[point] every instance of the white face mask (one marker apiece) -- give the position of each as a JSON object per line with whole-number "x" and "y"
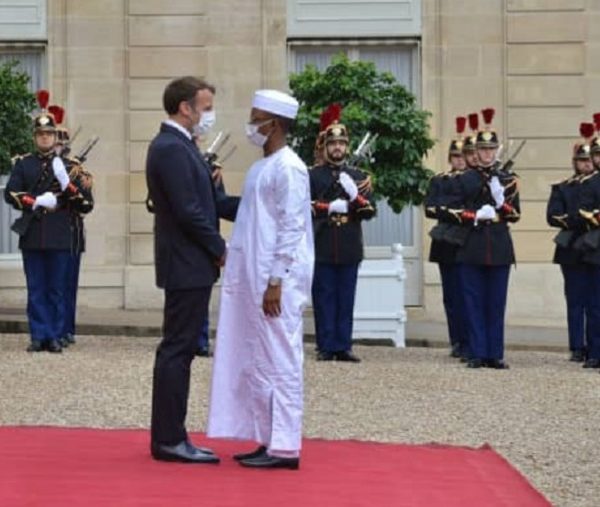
{"x": 207, "y": 121}
{"x": 254, "y": 136}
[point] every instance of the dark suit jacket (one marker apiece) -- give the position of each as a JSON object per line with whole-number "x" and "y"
{"x": 187, "y": 243}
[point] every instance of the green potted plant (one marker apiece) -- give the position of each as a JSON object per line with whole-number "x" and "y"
{"x": 373, "y": 102}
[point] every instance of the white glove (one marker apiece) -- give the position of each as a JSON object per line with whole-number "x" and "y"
{"x": 60, "y": 172}
{"x": 46, "y": 200}
{"x": 349, "y": 186}
{"x": 486, "y": 212}
{"x": 338, "y": 206}
{"x": 497, "y": 191}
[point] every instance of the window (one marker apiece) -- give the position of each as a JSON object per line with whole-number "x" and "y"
{"x": 400, "y": 57}
{"x": 31, "y": 61}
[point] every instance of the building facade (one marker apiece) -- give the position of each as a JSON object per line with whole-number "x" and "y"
{"x": 107, "y": 62}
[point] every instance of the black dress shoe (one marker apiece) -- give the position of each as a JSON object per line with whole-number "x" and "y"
{"x": 497, "y": 364}
{"x": 592, "y": 363}
{"x": 204, "y": 353}
{"x": 325, "y": 356}
{"x": 53, "y": 346}
{"x": 474, "y": 363}
{"x": 204, "y": 450}
{"x": 183, "y": 452}
{"x": 64, "y": 343}
{"x": 36, "y": 346}
{"x": 347, "y": 356}
{"x": 577, "y": 356}
{"x": 266, "y": 461}
{"x": 251, "y": 455}
{"x": 455, "y": 350}
{"x": 70, "y": 338}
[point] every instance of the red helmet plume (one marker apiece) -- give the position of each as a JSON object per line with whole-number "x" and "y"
{"x": 473, "y": 121}
{"x": 58, "y": 113}
{"x": 488, "y": 115}
{"x": 330, "y": 115}
{"x": 461, "y": 123}
{"x": 597, "y": 121}
{"x": 42, "y": 96}
{"x": 586, "y": 130}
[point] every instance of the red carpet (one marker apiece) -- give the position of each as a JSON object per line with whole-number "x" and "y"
{"x": 70, "y": 467}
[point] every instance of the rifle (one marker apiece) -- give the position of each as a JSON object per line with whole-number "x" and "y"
{"x": 511, "y": 161}
{"x": 66, "y": 147}
{"x": 21, "y": 224}
{"x": 364, "y": 150}
{"x": 87, "y": 147}
{"x": 212, "y": 153}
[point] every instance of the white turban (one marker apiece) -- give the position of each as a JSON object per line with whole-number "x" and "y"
{"x": 276, "y": 102}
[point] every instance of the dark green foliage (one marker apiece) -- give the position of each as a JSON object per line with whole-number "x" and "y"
{"x": 375, "y": 102}
{"x": 16, "y": 102}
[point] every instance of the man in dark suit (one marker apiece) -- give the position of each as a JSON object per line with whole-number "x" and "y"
{"x": 188, "y": 254}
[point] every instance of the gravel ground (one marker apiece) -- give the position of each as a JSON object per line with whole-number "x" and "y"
{"x": 542, "y": 414}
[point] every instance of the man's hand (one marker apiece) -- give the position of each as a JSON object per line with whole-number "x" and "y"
{"x": 349, "y": 186}
{"x": 46, "y": 200}
{"x": 217, "y": 177}
{"x": 272, "y": 301}
{"x": 486, "y": 212}
{"x": 365, "y": 186}
{"x": 338, "y": 206}
{"x": 60, "y": 172}
{"x": 497, "y": 191}
{"x": 221, "y": 260}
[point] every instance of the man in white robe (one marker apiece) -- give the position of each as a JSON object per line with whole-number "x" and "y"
{"x": 257, "y": 384}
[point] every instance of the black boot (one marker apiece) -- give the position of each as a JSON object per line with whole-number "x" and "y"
{"x": 592, "y": 363}
{"x": 53, "y": 346}
{"x": 577, "y": 356}
{"x": 455, "y": 350}
{"x": 497, "y": 364}
{"x": 475, "y": 363}
{"x": 35, "y": 346}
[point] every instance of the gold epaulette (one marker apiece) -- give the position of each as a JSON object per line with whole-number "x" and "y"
{"x": 16, "y": 158}
{"x": 589, "y": 176}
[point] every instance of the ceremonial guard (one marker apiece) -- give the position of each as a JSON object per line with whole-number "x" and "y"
{"x": 443, "y": 192}
{"x": 41, "y": 187}
{"x": 338, "y": 210}
{"x": 589, "y": 245}
{"x": 489, "y": 202}
{"x": 595, "y": 143}
{"x": 469, "y": 148}
{"x": 563, "y": 212}
{"x": 76, "y": 171}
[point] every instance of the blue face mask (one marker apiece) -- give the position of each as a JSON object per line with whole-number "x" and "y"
{"x": 207, "y": 121}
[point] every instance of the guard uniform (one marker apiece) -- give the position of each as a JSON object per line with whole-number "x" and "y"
{"x": 487, "y": 253}
{"x": 444, "y": 192}
{"x": 338, "y": 252}
{"x": 46, "y": 236}
{"x": 77, "y": 211}
{"x": 589, "y": 245}
{"x": 563, "y": 212}
{"x": 84, "y": 181}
